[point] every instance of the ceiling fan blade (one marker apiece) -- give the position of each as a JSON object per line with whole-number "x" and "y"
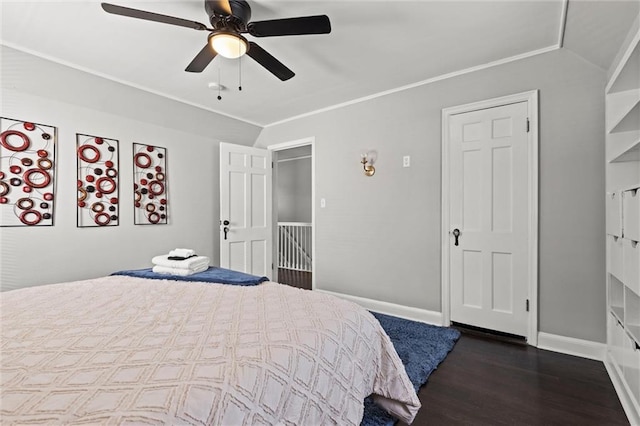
{"x": 202, "y": 59}
{"x": 150, "y": 16}
{"x": 290, "y": 26}
{"x": 265, "y": 59}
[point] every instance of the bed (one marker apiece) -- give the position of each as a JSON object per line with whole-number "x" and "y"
{"x": 123, "y": 349}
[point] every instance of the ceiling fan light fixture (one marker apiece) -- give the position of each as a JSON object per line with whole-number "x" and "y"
{"x": 228, "y": 45}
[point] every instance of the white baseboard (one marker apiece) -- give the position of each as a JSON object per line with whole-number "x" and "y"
{"x": 401, "y": 311}
{"x": 551, "y": 342}
{"x": 571, "y": 346}
{"x": 624, "y": 394}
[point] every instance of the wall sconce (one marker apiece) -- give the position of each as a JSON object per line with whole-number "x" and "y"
{"x": 367, "y": 164}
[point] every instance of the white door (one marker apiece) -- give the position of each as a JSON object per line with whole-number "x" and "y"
{"x": 489, "y": 207}
{"x": 245, "y": 209}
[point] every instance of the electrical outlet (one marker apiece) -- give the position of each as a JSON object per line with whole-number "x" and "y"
{"x": 406, "y": 161}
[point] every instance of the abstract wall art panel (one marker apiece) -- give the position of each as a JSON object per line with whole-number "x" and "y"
{"x": 150, "y": 200}
{"x": 27, "y": 173}
{"x": 98, "y": 188}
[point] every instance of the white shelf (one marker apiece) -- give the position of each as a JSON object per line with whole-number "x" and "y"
{"x": 618, "y": 312}
{"x": 629, "y": 187}
{"x": 623, "y": 111}
{"x": 624, "y": 146}
{"x": 634, "y": 332}
{"x": 632, "y": 309}
{"x": 615, "y": 342}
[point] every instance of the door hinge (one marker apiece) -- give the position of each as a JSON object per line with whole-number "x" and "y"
{"x": 527, "y": 305}
{"x": 528, "y": 125}
{"x": 272, "y": 164}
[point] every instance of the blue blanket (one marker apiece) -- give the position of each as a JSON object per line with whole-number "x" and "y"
{"x": 211, "y": 275}
{"x": 421, "y": 347}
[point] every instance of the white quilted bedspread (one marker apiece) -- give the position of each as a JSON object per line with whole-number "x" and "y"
{"x": 122, "y": 350}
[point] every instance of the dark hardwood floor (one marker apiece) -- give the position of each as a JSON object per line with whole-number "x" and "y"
{"x": 484, "y": 381}
{"x": 500, "y": 381}
{"x": 293, "y": 278}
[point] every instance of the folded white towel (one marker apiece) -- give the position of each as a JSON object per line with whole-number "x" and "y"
{"x": 190, "y": 263}
{"x": 178, "y": 271}
{"x": 181, "y": 252}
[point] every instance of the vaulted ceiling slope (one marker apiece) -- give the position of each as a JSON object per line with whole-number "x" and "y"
{"x": 375, "y": 46}
{"x": 596, "y": 29}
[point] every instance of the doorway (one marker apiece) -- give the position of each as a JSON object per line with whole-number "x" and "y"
{"x": 489, "y": 216}
{"x": 293, "y": 213}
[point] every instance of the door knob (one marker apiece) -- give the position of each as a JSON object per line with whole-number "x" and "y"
{"x": 225, "y": 229}
{"x": 456, "y": 234}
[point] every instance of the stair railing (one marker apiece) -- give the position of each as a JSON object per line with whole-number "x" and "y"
{"x": 294, "y": 246}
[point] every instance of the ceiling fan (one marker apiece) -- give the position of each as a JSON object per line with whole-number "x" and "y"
{"x": 229, "y": 20}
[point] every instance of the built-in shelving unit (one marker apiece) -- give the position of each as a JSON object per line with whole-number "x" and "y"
{"x": 622, "y": 106}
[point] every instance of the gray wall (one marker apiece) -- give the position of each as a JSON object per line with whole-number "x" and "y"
{"x": 44, "y": 92}
{"x": 294, "y": 190}
{"x": 379, "y": 237}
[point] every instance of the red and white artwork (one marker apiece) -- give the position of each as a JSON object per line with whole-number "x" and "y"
{"x": 27, "y": 173}
{"x": 97, "y": 161}
{"x": 150, "y": 185}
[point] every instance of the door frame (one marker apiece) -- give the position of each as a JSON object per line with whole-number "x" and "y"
{"x": 531, "y": 97}
{"x": 281, "y": 147}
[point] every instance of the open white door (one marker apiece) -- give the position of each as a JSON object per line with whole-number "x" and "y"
{"x": 245, "y": 209}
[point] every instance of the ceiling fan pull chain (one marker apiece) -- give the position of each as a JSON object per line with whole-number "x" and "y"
{"x": 219, "y": 86}
{"x": 240, "y": 73}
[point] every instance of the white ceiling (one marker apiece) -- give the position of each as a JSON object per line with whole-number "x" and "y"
{"x": 375, "y": 46}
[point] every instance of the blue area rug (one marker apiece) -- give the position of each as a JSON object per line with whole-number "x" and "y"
{"x": 421, "y": 348}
